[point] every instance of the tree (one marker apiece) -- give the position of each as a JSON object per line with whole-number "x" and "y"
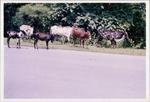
{"x": 33, "y": 14}
{"x": 10, "y": 11}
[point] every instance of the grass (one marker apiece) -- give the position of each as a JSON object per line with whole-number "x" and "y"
{"x": 58, "y": 45}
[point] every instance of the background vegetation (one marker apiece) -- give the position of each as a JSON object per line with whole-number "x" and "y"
{"x": 129, "y": 17}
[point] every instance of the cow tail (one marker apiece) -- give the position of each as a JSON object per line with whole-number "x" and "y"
{"x": 127, "y": 37}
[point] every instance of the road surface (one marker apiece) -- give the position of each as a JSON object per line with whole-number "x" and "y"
{"x": 53, "y": 73}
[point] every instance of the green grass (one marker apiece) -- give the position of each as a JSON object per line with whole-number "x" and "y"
{"x": 58, "y": 45}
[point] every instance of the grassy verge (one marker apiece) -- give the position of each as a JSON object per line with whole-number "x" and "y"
{"x": 58, "y": 45}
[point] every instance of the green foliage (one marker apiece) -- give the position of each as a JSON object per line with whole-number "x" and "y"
{"x": 33, "y": 14}
{"x": 9, "y": 13}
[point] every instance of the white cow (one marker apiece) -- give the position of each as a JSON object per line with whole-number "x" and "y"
{"x": 63, "y": 31}
{"x": 27, "y": 29}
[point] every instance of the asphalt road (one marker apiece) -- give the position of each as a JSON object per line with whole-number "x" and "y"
{"x": 30, "y": 73}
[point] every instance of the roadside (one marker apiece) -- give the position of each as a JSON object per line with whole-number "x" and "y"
{"x": 58, "y": 45}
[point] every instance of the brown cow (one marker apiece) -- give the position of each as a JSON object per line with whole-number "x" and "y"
{"x": 81, "y": 34}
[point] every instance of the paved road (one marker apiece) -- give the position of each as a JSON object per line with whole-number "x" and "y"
{"x": 53, "y": 73}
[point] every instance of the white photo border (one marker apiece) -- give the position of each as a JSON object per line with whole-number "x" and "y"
{"x": 147, "y": 97}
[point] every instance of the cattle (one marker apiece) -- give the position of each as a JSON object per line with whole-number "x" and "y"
{"x": 81, "y": 34}
{"x": 43, "y": 37}
{"x": 15, "y": 35}
{"x": 113, "y": 36}
{"x": 62, "y": 31}
{"x": 27, "y": 29}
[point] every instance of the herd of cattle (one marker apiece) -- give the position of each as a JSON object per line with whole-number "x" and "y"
{"x": 75, "y": 32}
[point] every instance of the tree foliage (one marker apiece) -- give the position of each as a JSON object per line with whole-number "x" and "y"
{"x": 127, "y": 17}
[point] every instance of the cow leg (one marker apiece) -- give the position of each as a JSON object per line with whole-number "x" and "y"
{"x": 74, "y": 41}
{"x": 35, "y": 43}
{"x": 63, "y": 40}
{"x": 113, "y": 43}
{"x": 47, "y": 44}
{"x": 68, "y": 38}
{"x": 82, "y": 42}
{"x": 18, "y": 43}
{"x": 8, "y": 40}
